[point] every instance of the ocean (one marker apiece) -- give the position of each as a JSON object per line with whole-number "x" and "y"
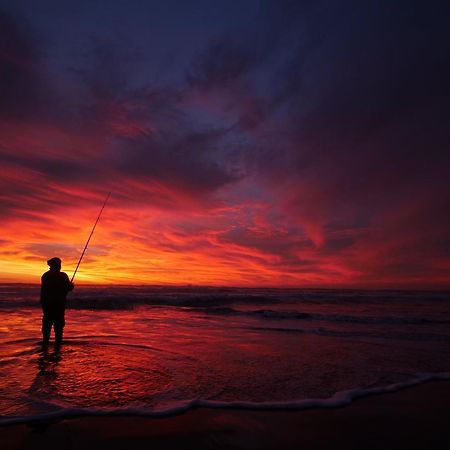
{"x": 156, "y": 350}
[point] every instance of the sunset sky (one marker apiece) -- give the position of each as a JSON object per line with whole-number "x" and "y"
{"x": 245, "y": 143}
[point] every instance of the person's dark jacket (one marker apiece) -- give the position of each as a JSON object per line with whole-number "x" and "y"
{"x": 54, "y": 288}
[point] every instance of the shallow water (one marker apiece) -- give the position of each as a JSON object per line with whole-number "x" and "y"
{"x": 153, "y": 349}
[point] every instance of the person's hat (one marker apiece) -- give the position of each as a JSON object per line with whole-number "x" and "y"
{"x": 53, "y": 262}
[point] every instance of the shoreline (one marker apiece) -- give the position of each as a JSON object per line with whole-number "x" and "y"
{"x": 410, "y": 418}
{"x": 340, "y": 399}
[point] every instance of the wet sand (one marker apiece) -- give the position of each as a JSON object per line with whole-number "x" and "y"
{"x": 413, "y": 418}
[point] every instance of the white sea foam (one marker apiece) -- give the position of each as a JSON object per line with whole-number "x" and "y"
{"x": 338, "y": 400}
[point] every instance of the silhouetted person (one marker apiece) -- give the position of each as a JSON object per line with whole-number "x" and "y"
{"x": 54, "y": 288}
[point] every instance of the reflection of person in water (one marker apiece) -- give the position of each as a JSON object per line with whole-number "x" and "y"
{"x": 45, "y": 383}
{"x": 54, "y": 288}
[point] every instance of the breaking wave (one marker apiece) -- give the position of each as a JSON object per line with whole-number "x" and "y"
{"x": 235, "y": 302}
{"x": 339, "y": 399}
{"x": 129, "y": 297}
{"x": 293, "y": 315}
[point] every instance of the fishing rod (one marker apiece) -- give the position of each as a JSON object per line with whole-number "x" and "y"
{"x": 89, "y": 238}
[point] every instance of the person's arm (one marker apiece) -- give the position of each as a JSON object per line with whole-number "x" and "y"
{"x": 42, "y": 296}
{"x": 42, "y": 292}
{"x": 69, "y": 284}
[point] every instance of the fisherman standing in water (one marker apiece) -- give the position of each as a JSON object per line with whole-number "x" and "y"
{"x": 54, "y": 288}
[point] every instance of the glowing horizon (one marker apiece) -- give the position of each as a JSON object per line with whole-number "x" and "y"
{"x": 155, "y": 251}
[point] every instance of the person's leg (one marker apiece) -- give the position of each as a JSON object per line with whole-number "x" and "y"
{"x": 46, "y": 328}
{"x": 59, "y": 327}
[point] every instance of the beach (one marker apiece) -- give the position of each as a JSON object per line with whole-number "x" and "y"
{"x": 412, "y": 418}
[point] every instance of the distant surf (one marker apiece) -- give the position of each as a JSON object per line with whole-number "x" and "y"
{"x": 129, "y": 297}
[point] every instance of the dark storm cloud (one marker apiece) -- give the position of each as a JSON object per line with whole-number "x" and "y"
{"x": 19, "y": 85}
{"x": 108, "y": 65}
{"x": 149, "y": 132}
{"x": 360, "y": 95}
{"x": 364, "y": 104}
{"x": 58, "y": 169}
{"x": 144, "y": 133}
{"x": 27, "y": 90}
{"x": 185, "y": 162}
{"x": 222, "y": 62}
{"x": 337, "y": 85}
{"x": 232, "y": 71}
